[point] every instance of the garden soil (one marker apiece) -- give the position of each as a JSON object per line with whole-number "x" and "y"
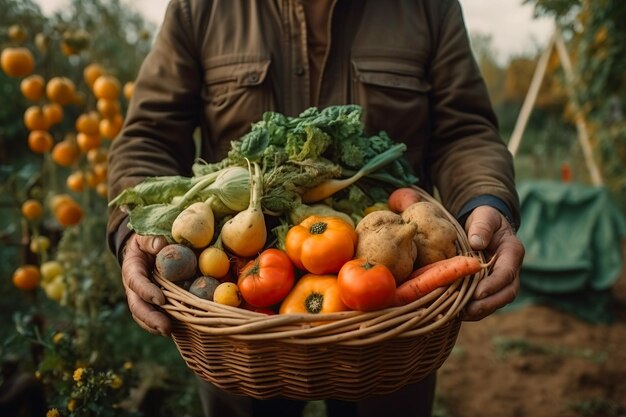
{"x": 537, "y": 361}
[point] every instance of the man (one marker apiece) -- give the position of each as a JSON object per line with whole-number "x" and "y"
{"x": 218, "y": 65}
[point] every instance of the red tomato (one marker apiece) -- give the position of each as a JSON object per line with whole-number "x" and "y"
{"x": 267, "y": 279}
{"x": 366, "y": 287}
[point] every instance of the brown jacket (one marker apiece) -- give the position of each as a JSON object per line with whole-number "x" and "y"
{"x": 219, "y": 64}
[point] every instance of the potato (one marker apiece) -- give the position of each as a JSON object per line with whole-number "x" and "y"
{"x": 383, "y": 237}
{"x": 436, "y": 236}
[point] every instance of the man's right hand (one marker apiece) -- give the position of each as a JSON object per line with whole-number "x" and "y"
{"x": 142, "y": 294}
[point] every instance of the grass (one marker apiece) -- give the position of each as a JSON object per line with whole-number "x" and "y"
{"x": 597, "y": 407}
{"x": 507, "y": 346}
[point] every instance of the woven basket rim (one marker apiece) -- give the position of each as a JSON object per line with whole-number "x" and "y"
{"x": 352, "y": 328}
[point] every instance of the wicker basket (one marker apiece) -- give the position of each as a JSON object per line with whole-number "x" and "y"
{"x": 351, "y": 356}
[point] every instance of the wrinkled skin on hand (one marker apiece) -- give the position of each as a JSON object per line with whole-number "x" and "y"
{"x": 141, "y": 293}
{"x": 489, "y": 231}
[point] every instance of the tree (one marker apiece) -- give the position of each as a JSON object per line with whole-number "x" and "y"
{"x": 596, "y": 36}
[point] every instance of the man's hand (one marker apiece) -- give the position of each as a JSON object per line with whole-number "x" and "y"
{"x": 488, "y": 230}
{"x": 141, "y": 293}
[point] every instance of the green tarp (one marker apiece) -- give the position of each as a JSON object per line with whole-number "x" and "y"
{"x": 572, "y": 234}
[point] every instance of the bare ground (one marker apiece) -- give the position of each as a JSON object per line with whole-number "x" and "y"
{"x": 537, "y": 362}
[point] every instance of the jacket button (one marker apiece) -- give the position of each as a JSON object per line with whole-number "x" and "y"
{"x": 299, "y": 70}
{"x": 253, "y": 78}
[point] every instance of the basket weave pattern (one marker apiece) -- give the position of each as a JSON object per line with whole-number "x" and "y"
{"x": 346, "y": 356}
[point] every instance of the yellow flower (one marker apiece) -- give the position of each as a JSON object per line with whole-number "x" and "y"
{"x": 38, "y": 375}
{"x": 128, "y": 365}
{"x": 53, "y": 412}
{"x": 78, "y": 374}
{"x": 71, "y": 405}
{"x": 58, "y": 336}
{"x": 116, "y": 382}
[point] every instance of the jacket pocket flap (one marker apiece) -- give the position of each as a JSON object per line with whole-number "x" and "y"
{"x": 242, "y": 73}
{"x": 402, "y": 75}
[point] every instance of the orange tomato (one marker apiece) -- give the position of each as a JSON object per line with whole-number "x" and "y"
{"x": 58, "y": 199}
{"x": 40, "y": 141}
{"x": 97, "y": 155}
{"x": 35, "y": 119}
{"x": 65, "y": 153}
{"x": 76, "y": 181}
{"x": 88, "y": 123}
{"x": 92, "y": 72}
{"x": 107, "y": 87}
{"x": 129, "y": 89}
{"x": 92, "y": 179}
{"x": 321, "y": 244}
{"x": 53, "y": 112}
{"x": 102, "y": 189}
{"x": 26, "y": 277}
{"x": 33, "y": 87}
{"x": 17, "y": 61}
{"x": 68, "y": 213}
{"x": 86, "y": 141}
{"x": 100, "y": 170}
{"x": 108, "y": 108}
{"x": 109, "y": 128}
{"x": 61, "y": 90}
{"x": 17, "y": 33}
{"x": 313, "y": 294}
{"x": 32, "y": 209}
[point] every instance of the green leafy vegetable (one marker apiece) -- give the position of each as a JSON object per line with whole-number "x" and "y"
{"x": 317, "y": 148}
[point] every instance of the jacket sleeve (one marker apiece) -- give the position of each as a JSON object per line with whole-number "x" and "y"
{"x": 467, "y": 157}
{"x": 157, "y": 137}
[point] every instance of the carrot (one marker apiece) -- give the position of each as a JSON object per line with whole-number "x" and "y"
{"x": 435, "y": 275}
{"x": 401, "y": 198}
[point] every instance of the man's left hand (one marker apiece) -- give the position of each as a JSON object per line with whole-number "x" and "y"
{"x": 489, "y": 231}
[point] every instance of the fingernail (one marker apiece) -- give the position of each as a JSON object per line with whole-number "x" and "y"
{"x": 156, "y": 301}
{"x": 476, "y": 240}
{"x": 155, "y": 244}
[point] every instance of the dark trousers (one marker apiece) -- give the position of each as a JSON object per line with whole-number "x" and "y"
{"x": 415, "y": 400}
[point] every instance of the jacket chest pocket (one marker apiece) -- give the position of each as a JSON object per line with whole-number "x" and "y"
{"x": 235, "y": 95}
{"x": 394, "y": 95}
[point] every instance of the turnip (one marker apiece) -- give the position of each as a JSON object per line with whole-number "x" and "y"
{"x": 194, "y": 226}
{"x": 176, "y": 262}
{"x": 204, "y": 287}
{"x": 245, "y": 234}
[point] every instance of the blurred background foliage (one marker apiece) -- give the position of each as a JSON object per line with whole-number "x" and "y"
{"x": 595, "y": 37}
{"x": 76, "y": 347}
{"x": 68, "y": 346}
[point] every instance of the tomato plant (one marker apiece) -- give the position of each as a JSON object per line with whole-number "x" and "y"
{"x": 366, "y": 287}
{"x": 321, "y": 245}
{"x": 267, "y": 279}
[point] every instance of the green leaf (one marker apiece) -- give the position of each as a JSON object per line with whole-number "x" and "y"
{"x": 254, "y": 143}
{"x": 153, "y": 190}
{"x": 309, "y": 144}
{"x": 154, "y": 219}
